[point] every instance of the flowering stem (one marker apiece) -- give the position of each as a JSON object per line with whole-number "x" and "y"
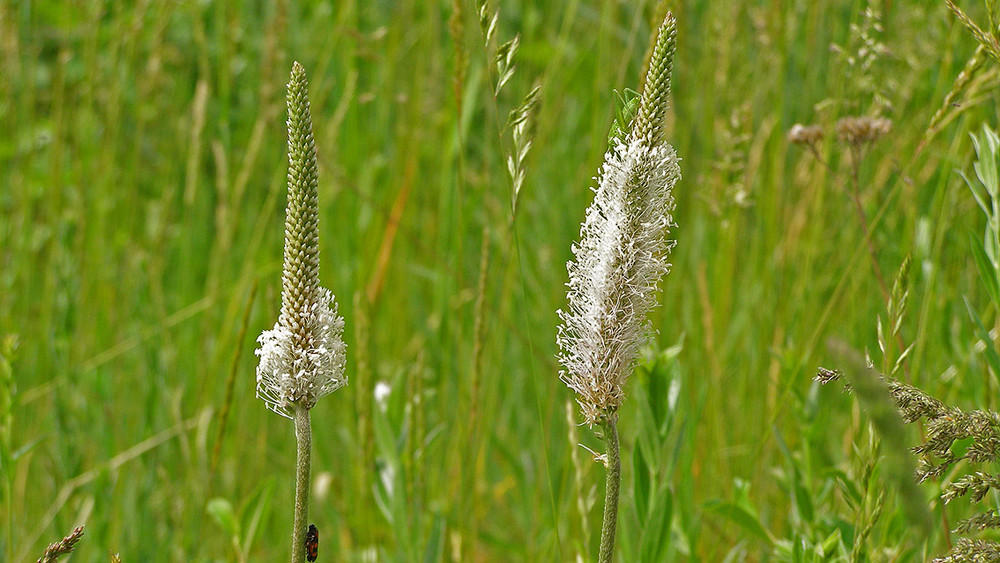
{"x": 303, "y": 440}
{"x": 614, "y": 477}
{"x": 856, "y": 198}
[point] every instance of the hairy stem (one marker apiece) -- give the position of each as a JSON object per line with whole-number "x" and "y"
{"x": 610, "y": 426}
{"x": 303, "y": 453}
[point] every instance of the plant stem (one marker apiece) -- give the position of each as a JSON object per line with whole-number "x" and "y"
{"x": 614, "y": 467}
{"x": 10, "y": 510}
{"x": 303, "y": 441}
{"x": 856, "y": 198}
{"x": 872, "y": 253}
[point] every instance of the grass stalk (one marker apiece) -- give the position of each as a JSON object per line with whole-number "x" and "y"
{"x": 863, "y": 220}
{"x": 611, "y": 487}
{"x": 227, "y": 403}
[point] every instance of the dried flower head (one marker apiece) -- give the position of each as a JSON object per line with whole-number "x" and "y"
{"x": 62, "y": 547}
{"x": 805, "y": 134}
{"x": 303, "y": 357}
{"x": 622, "y": 253}
{"x": 862, "y": 130}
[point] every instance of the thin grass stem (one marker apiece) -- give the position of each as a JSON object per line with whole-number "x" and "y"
{"x": 859, "y": 208}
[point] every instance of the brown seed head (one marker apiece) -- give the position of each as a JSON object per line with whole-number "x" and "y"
{"x": 805, "y": 134}
{"x": 862, "y": 130}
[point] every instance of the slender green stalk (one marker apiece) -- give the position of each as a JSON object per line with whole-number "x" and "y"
{"x": 612, "y": 484}
{"x": 303, "y": 455}
{"x": 8, "y": 344}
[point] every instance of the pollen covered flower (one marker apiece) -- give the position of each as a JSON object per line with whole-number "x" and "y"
{"x": 303, "y": 357}
{"x": 622, "y": 253}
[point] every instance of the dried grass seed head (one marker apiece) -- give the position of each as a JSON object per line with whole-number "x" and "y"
{"x": 863, "y": 130}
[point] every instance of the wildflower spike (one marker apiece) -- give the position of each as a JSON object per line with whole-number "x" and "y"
{"x": 622, "y": 253}
{"x": 303, "y": 357}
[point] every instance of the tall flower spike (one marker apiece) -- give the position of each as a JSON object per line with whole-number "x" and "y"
{"x": 303, "y": 357}
{"x": 622, "y": 253}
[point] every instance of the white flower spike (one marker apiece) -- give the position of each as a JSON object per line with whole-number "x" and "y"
{"x": 623, "y": 249}
{"x": 303, "y": 357}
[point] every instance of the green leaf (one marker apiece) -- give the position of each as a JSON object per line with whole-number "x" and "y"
{"x": 383, "y": 499}
{"x": 803, "y": 499}
{"x": 387, "y": 437}
{"x": 742, "y": 517}
{"x": 979, "y": 195}
{"x": 254, "y": 510}
{"x": 655, "y": 536}
{"x": 435, "y": 547}
{"x": 986, "y": 161}
{"x": 625, "y": 109}
{"x": 990, "y": 351}
{"x": 640, "y": 482}
{"x": 664, "y": 387}
{"x": 222, "y": 512}
{"x": 830, "y": 544}
{"x": 798, "y": 549}
{"x": 987, "y": 272}
{"x": 16, "y": 454}
{"x": 800, "y": 494}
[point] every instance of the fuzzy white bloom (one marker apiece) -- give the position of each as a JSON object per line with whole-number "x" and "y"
{"x": 621, "y": 256}
{"x": 622, "y": 253}
{"x": 382, "y": 391}
{"x": 288, "y": 373}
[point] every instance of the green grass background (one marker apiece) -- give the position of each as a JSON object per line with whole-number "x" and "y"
{"x": 142, "y": 164}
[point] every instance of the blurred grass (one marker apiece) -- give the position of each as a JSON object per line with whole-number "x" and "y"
{"x": 142, "y": 172}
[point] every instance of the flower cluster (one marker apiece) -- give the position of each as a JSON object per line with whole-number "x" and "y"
{"x": 622, "y": 253}
{"x": 303, "y": 357}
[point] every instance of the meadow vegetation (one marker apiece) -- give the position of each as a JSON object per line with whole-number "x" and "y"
{"x": 142, "y": 183}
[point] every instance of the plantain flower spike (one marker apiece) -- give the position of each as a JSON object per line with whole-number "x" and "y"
{"x": 303, "y": 357}
{"x": 623, "y": 249}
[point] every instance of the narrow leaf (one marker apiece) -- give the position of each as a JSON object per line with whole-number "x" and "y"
{"x": 221, "y": 510}
{"x": 987, "y": 272}
{"x": 640, "y": 484}
{"x": 741, "y": 517}
{"x": 992, "y": 358}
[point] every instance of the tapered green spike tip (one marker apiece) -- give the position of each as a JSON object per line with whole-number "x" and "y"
{"x": 651, "y": 117}
{"x": 626, "y": 105}
{"x": 301, "y": 266}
